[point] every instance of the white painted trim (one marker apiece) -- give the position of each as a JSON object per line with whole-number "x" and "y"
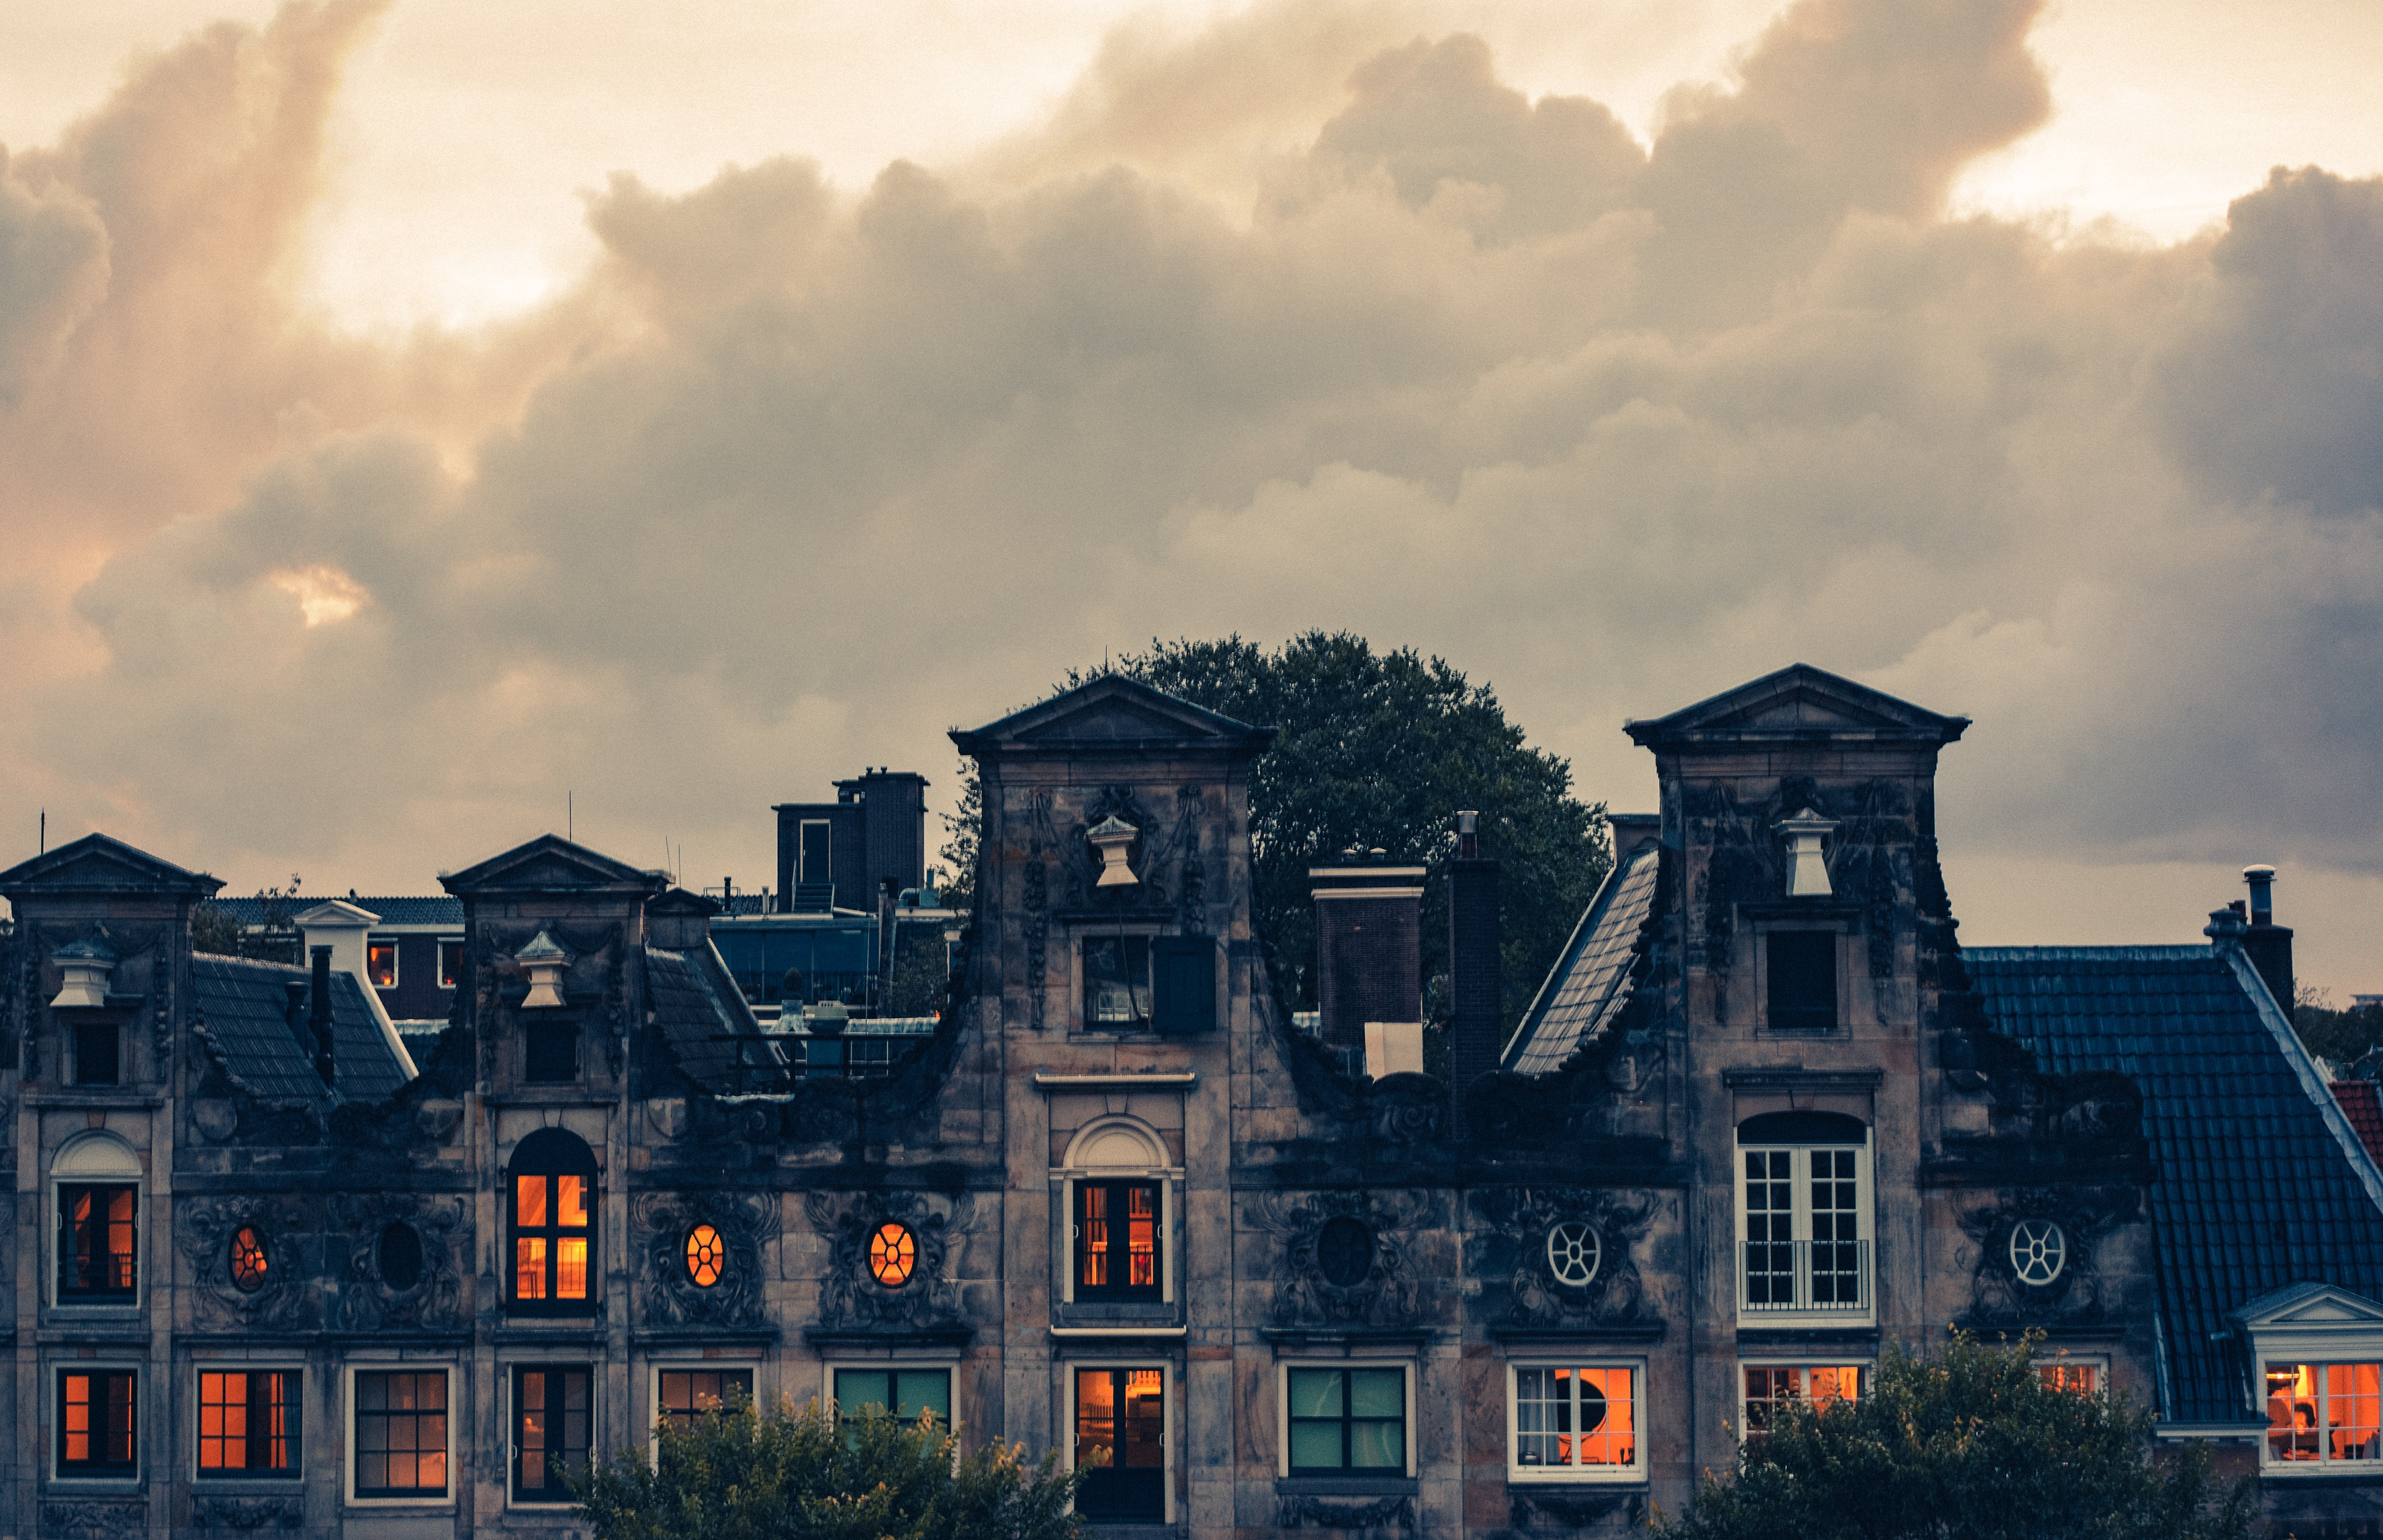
{"x": 2313, "y": 1084}
{"x": 1119, "y": 1333}
{"x": 1635, "y": 1471}
{"x": 656, "y": 1367}
{"x": 1415, "y": 892}
{"x": 1151, "y": 1080}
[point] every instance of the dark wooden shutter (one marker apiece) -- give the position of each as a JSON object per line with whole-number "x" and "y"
{"x": 1183, "y": 983}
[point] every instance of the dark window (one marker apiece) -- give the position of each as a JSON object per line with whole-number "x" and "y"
{"x": 1803, "y": 979}
{"x": 400, "y": 1256}
{"x": 402, "y": 1434}
{"x": 95, "y": 1422}
{"x": 1348, "y": 1420}
{"x": 96, "y": 1060}
{"x": 1183, "y": 983}
{"x": 811, "y": 856}
{"x": 1121, "y": 1443}
{"x": 96, "y": 1236}
{"x": 1116, "y": 981}
{"x": 553, "y": 1191}
{"x": 902, "y": 1394}
{"x": 687, "y": 1394}
{"x": 552, "y": 1051}
{"x": 1117, "y": 1240}
{"x": 1344, "y": 1252}
{"x": 249, "y": 1422}
{"x": 550, "y": 1431}
{"x": 451, "y": 963}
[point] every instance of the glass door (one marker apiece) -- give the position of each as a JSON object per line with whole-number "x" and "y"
{"x": 1121, "y": 1439}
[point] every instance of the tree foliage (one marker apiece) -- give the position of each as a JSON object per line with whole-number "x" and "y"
{"x": 216, "y": 930}
{"x": 2344, "y": 1036}
{"x": 742, "y": 1474}
{"x": 1967, "y": 1444}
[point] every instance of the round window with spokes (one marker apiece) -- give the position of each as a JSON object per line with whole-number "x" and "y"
{"x": 248, "y": 1260}
{"x": 893, "y": 1254}
{"x": 1573, "y": 1252}
{"x": 707, "y": 1256}
{"x": 2038, "y": 1251}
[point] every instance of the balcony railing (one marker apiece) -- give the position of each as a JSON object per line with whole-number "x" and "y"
{"x": 1797, "y": 1276}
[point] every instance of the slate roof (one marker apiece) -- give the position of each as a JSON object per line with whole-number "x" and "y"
{"x": 1590, "y": 983}
{"x": 695, "y": 1001}
{"x": 2262, "y": 1182}
{"x": 242, "y": 1003}
{"x": 401, "y": 910}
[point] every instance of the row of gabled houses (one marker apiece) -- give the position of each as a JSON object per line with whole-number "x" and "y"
{"x": 278, "y": 1269}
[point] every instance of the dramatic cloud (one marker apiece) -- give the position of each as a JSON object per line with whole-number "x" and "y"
{"x": 803, "y": 474}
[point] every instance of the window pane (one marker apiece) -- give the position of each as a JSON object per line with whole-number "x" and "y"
{"x": 1803, "y": 979}
{"x": 380, "y": 963}
{"x": 1315, "y": 1445}
{"x": 529, "y": 1267}
{"x": 1840, "y": 1383}
{"x": 1542, "y": 1417}
{"x": 575, "y": 1201}
{"x": 571, "y": 1272}
{"x": 859, "y": 1391}
{"x": 1315, "y": 1393}
{"x": 1143, "y": 1434}
{"x": 2292, "y": 1411}
{"x": 921, "y": 1391}
{"x": 1096, "y": 1417}
{"x": 529, "y": 1200}
{"x": 1093, "y": 1236}
{"x": 1141, "y": 1237}
{"x": 1378, "y": 1445}
{"x": 1376, "y": 1393}
{"x": 1609, "y": 1422}
{"x": 2352, "y": 1393}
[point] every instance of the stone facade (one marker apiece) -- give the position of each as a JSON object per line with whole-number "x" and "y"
{"x": 1357, "y": 1299}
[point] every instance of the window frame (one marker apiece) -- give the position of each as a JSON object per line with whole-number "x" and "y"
{"x": 1169, "y": 1388}
{"x": 749, "y": 1368}
{"x": 111, "y": 1473}
{"x": 1636, "y": 1472}
{"x": 948, "y": 1367}
{"x": 1836, "y": 974}
{"x": 1161, "y": 1289}
{"x": 535, "y": 1156}
{"x": 1405, "y": 1469}
{"x": 2097, "y": 1362}
{"x": 2327, "y": 1463}
{"x": 1075, "y": 1167}
{"x": 1146, "y": 933}
{"x": 87, "y": 1031}
{"x": 353, "y": 1493}
{"x": 547, "y": 1034}
{"x": 294, "y": 1405}
{"x": 128, "y": 1296}
{"x": 1800, "y": 1213}
{"x": 396, "y": 952}
{"x": 448, "y": 977}
{"x": 1865, "y": 1367}
{"x": 515, "y": 1409}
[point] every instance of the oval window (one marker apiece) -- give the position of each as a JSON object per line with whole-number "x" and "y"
{"x": 400, "y": 1256}
{"x": 248, "y": 1261}
{"x": 1344, "y": 1252}
{"x": 892, "y": 1252}
{"x": 2038, "y": 1251}
{"x": 707, "y": 1256}
{"x": 1573, "y": 1252}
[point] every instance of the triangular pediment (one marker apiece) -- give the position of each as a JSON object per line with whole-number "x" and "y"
{"x": 550, "y": 864}
{"x": 98, "y": 863}
{"x": 335, "y": 912}
{"x": 1114, "y": 713}
{"x": 2311, "y": 1305}
{"x": 1799, "y": 703}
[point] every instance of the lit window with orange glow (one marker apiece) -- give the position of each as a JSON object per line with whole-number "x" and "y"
{"x": 1117, "y": 1240}
{"x": 380, "y": 963}
{"x": 1772, "y": 1386}
{"x": 2080, "y": 1379}
{"x": 553, "y": 1231}
{"x": 248, "y": 1260}
{"x": 892, "y": 1252}
{"x": 707, "y": 1256}
{"x": 1574, "y": 1422}
{"x": 2325, "y": 1413}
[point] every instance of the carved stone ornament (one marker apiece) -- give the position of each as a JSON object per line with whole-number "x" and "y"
{"x": 1532, "y": 1507}
{"x": 1169, "y": 880}
{"x": 217, "y": 1118}
{"x": 130, "y": 1517}
{"x": 746, "y": 1225}
{"x": 248, "y": 1514}
{"x": 1303, "y": 1512}
{"x": 2035, "y": 1263}
{"x": 370, "y": 1302}
{"x": 1512, "y": 1245}
{"x": 203, "y": 1235}
{"x": 1318, "y": 1286}
{"x": 850, "y": 1296}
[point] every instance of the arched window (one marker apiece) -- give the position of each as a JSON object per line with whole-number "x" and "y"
{"x": 1804, "y": 1221}
{"x": 552, "y": 1179}
{"x": 1118, "y": 1214}
{"x": 98, "y": 1195}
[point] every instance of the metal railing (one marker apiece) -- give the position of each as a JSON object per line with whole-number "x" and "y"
{"x": 1817, "y": 1277}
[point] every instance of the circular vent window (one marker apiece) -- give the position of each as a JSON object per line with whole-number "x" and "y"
{"x": 248, "y": 1261}
{"x": 892, "y": 1252}
{"x": 1344, "y": 1252}
{"x": 1573, "y": 1252}
{"x": 2038, "y": 1251}
{"x": 400, "y": 1256}
{"x": 707, "y": 1256}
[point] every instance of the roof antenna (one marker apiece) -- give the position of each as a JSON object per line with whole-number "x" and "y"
{"x": 570, "y": 817}
{"x": 46, "y": 833}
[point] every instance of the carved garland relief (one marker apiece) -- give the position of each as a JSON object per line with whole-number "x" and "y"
{"x": 862, "y": 1291}
{"x": 687, "y": 1238}
{"x": 1345, "y": 1265}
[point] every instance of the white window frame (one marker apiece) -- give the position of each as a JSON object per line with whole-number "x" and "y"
{"x": 1633, "y": 1473}
{"x": 2098, "y": 1363}
{"x": 749, "y": 1367}
{"x": 1168, "y": 1178}
{"x": 2328, "y": 1355}
{"x": 1170, "y": 1386}
{"x": 348, "y": 1372}
{"x": 247, "y": 1481}
{"x": 396, "y": 959}
{"x": 527, "y": 1357}
{"x": 1282, "y": 1414}
{"x": 1868, "y": 1365}
{"x": 138, "y": 1180}
{"x": 446, "y": 983}
{"x": 54, "y": 1393}
{"x": 1800, "y": 1191}
{"x": 948, "y": 1363}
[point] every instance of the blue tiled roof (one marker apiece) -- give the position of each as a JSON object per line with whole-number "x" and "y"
{"x": 2262, "y": 1183}
{"x": 440, "y": 909}
{"x": 1591, "y": 982}
{"x": 694, "y": 1003}
{"x": 242, "y": 1003}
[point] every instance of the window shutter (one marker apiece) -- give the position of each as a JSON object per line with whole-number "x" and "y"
{"x": 1183, "y": 983}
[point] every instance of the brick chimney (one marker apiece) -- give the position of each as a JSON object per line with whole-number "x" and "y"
{"x": 1368, "y": 945}
{"x": 320, "y": 1016}
{"x": 1472, "y": 964}
{"x": 2266, "y": 944}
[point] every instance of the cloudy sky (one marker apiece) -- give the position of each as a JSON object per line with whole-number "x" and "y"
{"x": 411, "y": 413}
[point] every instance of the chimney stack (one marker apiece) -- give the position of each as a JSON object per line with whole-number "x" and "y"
{"x": 1472, "y": 964}
{"x": 2266, "y": 944}
{"x": 320, "y": 1015}
{"x": 1368, "y": 948}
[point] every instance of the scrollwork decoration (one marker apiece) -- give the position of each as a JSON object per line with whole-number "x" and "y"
{"x": 1384, "y": 1293}
{"x": 369, "y": 1301}
{"x": 1512, "y": 1242}
{"x": 851, "y": 1299}
{"x": 748, "y": 1225}
{"x": 281, "y": 1300}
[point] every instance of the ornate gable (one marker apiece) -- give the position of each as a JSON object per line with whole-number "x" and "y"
{"x": 1800, "y": 703}
{"x": 550, "y": 864}
{"x": 1113, "y": 714}
{"x": 97, "y": 863}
